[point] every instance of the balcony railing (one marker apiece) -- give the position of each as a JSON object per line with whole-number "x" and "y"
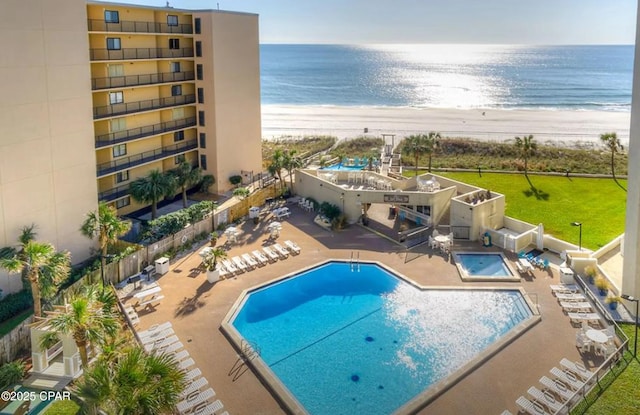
{"x": 142, "y": 158}
{"x": 146, "y": 131}
{"x": 138, "y": 27}
{"x": 113, "y": 194}
{"x": 139, "y": 53}
{"x": 146, "y": 79}
{"x": 146, "y": 105}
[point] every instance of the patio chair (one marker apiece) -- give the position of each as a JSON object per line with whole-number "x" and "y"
{"x": 160, "y": 343}
{"x": 281, "y": 251}
{"x": 271, "y": 254}
{"x": 184, "y": 364}
{"x": 576, "y": 368}
{"x": 545, "y": 264}
{"x": 567, "y": 378}
{"x": 194, "y": 386}
{"x": 564, "y": 289}
{"x": 248, "y": 259}
{"x": 229, "y": 266}
{"x": 193, "y": 399}
{"x": 545, "y": 398}
{"x": 292, "y": 246}
{"x": 155, "y": 327}
{"x": 532, "y": 408}
{"x": 578, "y": 318}
{"x": 239, "y": 263}
{"x": 560, "y": 389}
{"x": 173, "y": 347}
{"x": 580, "y": 306}
{"x": 571, "y": 297}
{"x": 262, "y": 260}
{"x": 208, "y": 409}
{"x": 155, "y": 336}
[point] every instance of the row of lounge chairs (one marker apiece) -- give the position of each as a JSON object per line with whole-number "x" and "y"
{"x": 258, "y": 258}
{"x": 197, "y": 396}
{"x": 575, "y": 304}
{"x": 535, "y": 260}
{"x": 557, "y": 391}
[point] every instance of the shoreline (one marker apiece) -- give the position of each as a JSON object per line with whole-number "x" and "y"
{"x": 565, "y": 128}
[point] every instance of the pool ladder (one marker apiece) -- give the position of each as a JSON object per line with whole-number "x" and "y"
{"x": 354, "y": 262}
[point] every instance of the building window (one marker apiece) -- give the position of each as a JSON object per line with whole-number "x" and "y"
{"x": 203, "y": 140}
{"x": 119, "y": 150}
{"x": 125, "y": 201}
{"x": 176, "y": 90}
{"x": 199, "y": 72}
{"x": 201, "y": 118}
{"x": 174, "y": 43}
{"x": 123, "y": 176}
{"x": 172, "y": 20}
{"x": 116, "y": 97}
{"x": 174, "y": 66}
{"x": 178, "y": 113}
{"x": 198, "y": 48}
{"x": 179, "y": 159}
{"x": 203, "y": 161}
{"x": 178, "y": 136}
{"x": 198, "y": 25}
{"x": 115, "y": 70}
{"x": 111, "y": 16}
{"x": 200, "y": 95}
{"x": 117, "y": 124}
{"x": 113, "y": 43}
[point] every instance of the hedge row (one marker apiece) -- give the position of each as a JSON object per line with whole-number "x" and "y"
{"x": 14, "y": 304}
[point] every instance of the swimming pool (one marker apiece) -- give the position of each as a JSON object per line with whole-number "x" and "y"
{"x": 340, "y": 340}
{"x": 483, "y": 266}
{"x": 33, "y": 401}
{"x": 344, "y": 167}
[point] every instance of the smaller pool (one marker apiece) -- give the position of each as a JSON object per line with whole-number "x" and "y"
{"x": 482, "y": 266}
{"x": 344, "y": 167}
{"x": 34, "y": 401}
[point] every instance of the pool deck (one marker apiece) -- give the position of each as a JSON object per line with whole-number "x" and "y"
{"x": 196, "y": 308}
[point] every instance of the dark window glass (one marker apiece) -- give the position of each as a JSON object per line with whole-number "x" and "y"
{"x": 123, "y": 176}
{"x": 198, "y": 25}
{"x": 172, "y": 20}
{"x": 203, "y": 140}
{"x": 178, "y": 136}
{"x": 199, "y": 72}
{"x": 174, "y": 43}
{"x": 203, "y": 161}
{"x": 111, "y": 16}
{"x": 200, "y": 95}
{"x": 201, "y": 118}
{"x": 176, "y": 90}
{"x": 113, "y": 43}
{"x": 198, "y": 48}
{"x": 126, "y": 201}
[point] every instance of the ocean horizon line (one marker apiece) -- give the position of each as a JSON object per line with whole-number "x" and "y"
{"x": 444, "y": 44}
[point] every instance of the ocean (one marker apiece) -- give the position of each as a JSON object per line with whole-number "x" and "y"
{"x": 449, "y": 76}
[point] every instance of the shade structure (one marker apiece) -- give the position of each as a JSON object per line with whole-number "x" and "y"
{"x": 540, "y": 237}
{"x": 231, "y": 230}
{"x": 274, "y": 226}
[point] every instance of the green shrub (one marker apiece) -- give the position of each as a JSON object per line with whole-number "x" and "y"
{"x": 14, "y": 304}
{"x": 11, "y": 373}
{"x": 235, "y": 179}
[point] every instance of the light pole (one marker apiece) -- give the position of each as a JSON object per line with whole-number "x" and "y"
{"x": 579, "y": 237}
{"x": 635, "y": 341}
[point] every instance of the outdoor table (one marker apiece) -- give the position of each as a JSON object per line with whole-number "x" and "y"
{"x": 525, "y": 264}
{"x": 596, "y": 336}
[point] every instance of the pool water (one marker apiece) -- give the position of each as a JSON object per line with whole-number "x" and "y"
{"x": 344, "y": 167}
{"x": 36, "y": 406}
{"x": 487, "y": 265}
{"x": 345, "y": 341}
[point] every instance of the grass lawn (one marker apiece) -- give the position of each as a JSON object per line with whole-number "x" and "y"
{"x": 13, "y": 322}
{"x": 64, "y": 407}
{"x": 599, "y": 204}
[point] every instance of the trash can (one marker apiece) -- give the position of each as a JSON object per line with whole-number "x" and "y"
{"x": 566, "y": 275}
{"x": 162, "y": 265}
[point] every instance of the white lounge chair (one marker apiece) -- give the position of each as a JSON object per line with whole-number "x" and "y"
{"x": 249, "y": 260}
{"x": 184, "y": 364}
{"x": 239, "y": 263}
{"x": 571, "y": 297}
{"x": 564, "y": 289}
{"x": 208, "y": 409}
{"x": 171, "y": 348}
{"x": 160, "y": 343}
{"x": 532, "y": 408}
{"x": 281, "y": 251}
{"x": 192, "y": 374}
{"x": 262, "y": 260}
{"x": 578, "y": 318}
{"x": 154, "y": 328}
{"x": 545, "y": 398}
{"x": 194, "y": 399}
{"x": 224, "y": 272}
{"x": 576, "y": 368}
{"x": 293, "y": 247}
{"x": 155, "y": 336}
{"x": 575, "y": 306}
{"x": 271, "y": 254}
{"x": 229, "y": 266}
{"x": 559, "y": 388}
{"x": 194, "y": 386}
{"x": 567, "y": 378}
{"x": 181, "y": 355}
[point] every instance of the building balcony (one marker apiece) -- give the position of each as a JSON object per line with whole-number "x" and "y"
{"x": 113, "y": 194}
{"x": 139, "y": 53}
{"x": 137, "y": 80}
{"x": 105, "y": 140}
{"x": 139, "y": 106}
{"x": 138, "y": 27}
{"x": 124, "y": 163}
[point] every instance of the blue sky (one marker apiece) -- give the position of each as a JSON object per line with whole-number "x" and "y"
{"x": 433, "y": 21}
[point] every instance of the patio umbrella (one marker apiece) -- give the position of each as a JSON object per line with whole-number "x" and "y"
{"x": 231, "y": 230}
{"x": 540, "y": 237}
{"x": 274, "y": 226}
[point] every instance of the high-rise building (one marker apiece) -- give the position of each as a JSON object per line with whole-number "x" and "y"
{"x": 104, "y": 93}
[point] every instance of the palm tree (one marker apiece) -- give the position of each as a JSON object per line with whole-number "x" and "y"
{"x": 152, "y": 188}
{"x": 526, "y": 146}
{"x": 612, "y": 142}
{"x": 186, "y": 176}
{"x": 89, "y": 318}
{"x": 276, "y": 165}
{"x": 432, "y": 142}
{"x": 107, "y": 226}
{"x": 416, "y": 145}
{"x": 133, "y": 383}
{"x": 28, "y": 234}
{"x": 291, "y": 162}
{"x": 45, "y": 269}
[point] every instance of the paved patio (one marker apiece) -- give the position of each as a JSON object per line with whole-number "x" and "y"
{"x": 197, "y": 308}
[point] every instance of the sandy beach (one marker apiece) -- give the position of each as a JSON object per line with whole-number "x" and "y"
{"x": 562, "y": 128}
